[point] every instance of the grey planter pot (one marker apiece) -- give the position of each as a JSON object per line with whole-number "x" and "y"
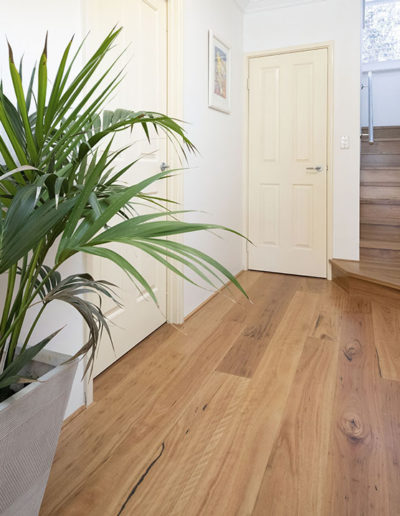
{"x": 30, "y": 424}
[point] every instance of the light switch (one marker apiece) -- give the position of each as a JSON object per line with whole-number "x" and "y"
{"x": 344, "y": 142}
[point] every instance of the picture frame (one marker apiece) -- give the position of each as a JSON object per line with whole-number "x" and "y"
{"x": 219, "y": 74}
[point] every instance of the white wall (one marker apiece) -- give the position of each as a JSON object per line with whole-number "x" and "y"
{"x": 386, "y": 88}
{"x": 338, "y": 21}
{"x": 24, "y": 23}
{"x": 214, "y": 185}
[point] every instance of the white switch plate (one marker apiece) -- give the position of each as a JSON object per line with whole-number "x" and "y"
{"x": 344, "y": 142}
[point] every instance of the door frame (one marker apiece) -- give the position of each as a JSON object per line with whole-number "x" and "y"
{"x": 175, "y": 184}
{"x": 329, "y": 46}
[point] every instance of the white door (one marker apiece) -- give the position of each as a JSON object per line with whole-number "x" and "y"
{"x": 288, "y": 163}
{"x": 144, "y": 35}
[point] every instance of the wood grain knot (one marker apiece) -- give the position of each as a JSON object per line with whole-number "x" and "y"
{"x": 352, "y": 349}
{"x": 353, "y": 428}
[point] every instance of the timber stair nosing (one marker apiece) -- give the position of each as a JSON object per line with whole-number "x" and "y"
{"x": 378, "y": 168}
{"x": 393, "y": 202}
{"x": 377, "y": 221}
{"x": 380, "y": 154}
{"x": 392, "y": 184}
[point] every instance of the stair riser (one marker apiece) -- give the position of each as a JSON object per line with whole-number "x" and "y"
{"x": 380, "y": 160}
{"x": 389, "y": 147}
{"x": 380, "y": 176}
{"x": 379, "y": 244}
{"x": 384, "y": 132}
{"x": 381, "y": 256}
{"x": 380, "y": 232}
{"x": 387, "y": 193}
{"x": 385, "y": 214}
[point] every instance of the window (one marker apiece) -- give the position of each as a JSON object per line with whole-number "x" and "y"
{"x": 381, "y": 34}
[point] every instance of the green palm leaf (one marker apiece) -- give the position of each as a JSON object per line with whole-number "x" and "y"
{"x": 61, "y": 188}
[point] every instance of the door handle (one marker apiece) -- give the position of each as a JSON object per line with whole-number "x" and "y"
{"x": 164, "y": 166}
{"x": 315, "y": 170}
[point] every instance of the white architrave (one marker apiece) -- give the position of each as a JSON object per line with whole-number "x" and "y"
{"x": 175, "y": 310}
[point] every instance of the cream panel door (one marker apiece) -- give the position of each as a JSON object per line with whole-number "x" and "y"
{"x": 144, "y": 36}
{"x": 288, "y": 163}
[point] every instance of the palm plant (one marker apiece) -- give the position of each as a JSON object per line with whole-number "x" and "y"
{"x": 59, "y": 188}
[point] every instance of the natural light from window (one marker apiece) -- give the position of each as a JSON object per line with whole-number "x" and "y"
{"x": 381, "y": 34}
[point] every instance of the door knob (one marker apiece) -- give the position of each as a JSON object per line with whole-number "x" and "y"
{"x": 164, "y": 166}
{"x": 315, "y": 170}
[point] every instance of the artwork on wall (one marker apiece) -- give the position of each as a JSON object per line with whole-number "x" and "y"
{"x": 219, "y": 74}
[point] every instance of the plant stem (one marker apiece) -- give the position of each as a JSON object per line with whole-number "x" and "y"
{"x": 18, "y": 297}
{"x": 10, "y": 291}
{"x": 28, "y": 280}
{"x": 33, "y": 325}
{"x": 12, "y": 273}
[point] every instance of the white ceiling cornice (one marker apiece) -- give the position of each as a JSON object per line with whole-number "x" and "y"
{"x": 252, "y": 6}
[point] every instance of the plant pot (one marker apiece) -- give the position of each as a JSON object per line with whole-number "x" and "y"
{"x": 30, "y": 424}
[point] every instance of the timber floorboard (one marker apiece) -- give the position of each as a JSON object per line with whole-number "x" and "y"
{"x": 274, "y": 407}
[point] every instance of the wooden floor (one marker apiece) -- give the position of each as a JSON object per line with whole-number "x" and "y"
{"x": 289, "y": 405}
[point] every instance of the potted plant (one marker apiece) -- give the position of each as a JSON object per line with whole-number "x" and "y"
{"x": 59, "y": 191}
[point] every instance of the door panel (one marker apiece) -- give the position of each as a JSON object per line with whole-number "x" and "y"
{"x": 144, "y": 88}
{"x": 288, "y": 101}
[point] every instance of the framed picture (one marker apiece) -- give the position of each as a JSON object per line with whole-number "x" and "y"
{"x": 219, "y": 74}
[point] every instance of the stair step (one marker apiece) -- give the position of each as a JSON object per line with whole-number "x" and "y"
{"x": 388, "y": 214}
{"x": 377, "y": 176}
{"x": 380, "y": 244}
{"x": 389, "y": 257}
{"x": 373, "y": 193}
{"x": 382, "y": 169}
{"x": 380, "y": 202}
{"x": 381, "y": 183}
{"x": 365, "y": 138}
{"x": 380, "y": 160}
{"x": 381, "y": 147}
{"x": 378, "y": 274}
{"x": 380, "y": 232}
{"x": 392, "y": 131}
{"x": 380, "y": 221}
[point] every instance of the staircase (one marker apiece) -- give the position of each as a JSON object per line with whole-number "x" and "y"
{"x": 378, "y": 271}
{"x": 380, "y": 197}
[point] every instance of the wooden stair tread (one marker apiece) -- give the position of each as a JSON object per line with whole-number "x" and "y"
{"x": 383, "y": 221}
{"x": 373, "y": 272}
{"x": 380, "y": 244}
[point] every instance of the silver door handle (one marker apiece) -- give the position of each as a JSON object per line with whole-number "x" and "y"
{"x": 164, "y": 166}
{"x": 316, "y": 169}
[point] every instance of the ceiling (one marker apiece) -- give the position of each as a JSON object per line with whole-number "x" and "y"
{"x": 251, "y": 6}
